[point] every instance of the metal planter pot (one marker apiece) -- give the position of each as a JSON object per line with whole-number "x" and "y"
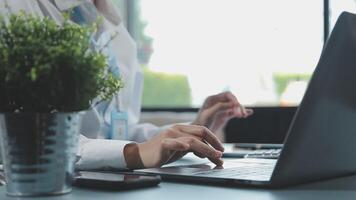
{"x": 38, "y": 151}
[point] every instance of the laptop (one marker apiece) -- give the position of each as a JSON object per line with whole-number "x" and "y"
{"x": 321, "y": 140}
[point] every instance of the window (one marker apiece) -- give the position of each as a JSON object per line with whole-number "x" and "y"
{"x": 262, "y": 51}
{"x": 338, "y": 6}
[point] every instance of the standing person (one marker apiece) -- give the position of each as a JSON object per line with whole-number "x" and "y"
{"x": 144, "y": 145}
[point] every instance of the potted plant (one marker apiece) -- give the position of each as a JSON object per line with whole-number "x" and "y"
{"x": 48, "y": 74}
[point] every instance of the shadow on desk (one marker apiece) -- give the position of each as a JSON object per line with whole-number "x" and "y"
{"x": 341, "y": 183}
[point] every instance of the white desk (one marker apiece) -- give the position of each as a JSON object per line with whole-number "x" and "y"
{"x": 336, "y": 189}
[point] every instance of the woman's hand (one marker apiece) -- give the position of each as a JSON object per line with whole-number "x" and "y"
{"x": 173, "y": 144}
{"x": 218, "y": 109}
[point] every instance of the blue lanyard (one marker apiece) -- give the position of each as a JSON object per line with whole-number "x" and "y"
{"x": 77, "y": 16}
{"x": 85, "y": 13}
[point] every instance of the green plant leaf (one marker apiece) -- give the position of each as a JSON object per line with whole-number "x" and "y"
{"x": 45, "y": 67}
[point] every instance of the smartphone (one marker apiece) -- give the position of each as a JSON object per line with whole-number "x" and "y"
{"x": 114, "y": 181}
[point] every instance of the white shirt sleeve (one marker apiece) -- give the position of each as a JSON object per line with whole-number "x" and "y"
{"x": 100, "y": 153}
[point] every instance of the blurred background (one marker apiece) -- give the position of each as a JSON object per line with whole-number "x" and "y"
{"x": 264, "y": 51}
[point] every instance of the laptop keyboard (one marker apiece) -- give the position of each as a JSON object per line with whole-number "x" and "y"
{"x": 250, "y": 153}
{"x": 264, "y": 153}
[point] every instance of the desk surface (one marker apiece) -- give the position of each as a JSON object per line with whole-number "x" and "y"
{"x": 341, "y": 188}
{"x": 337, "y": 189}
